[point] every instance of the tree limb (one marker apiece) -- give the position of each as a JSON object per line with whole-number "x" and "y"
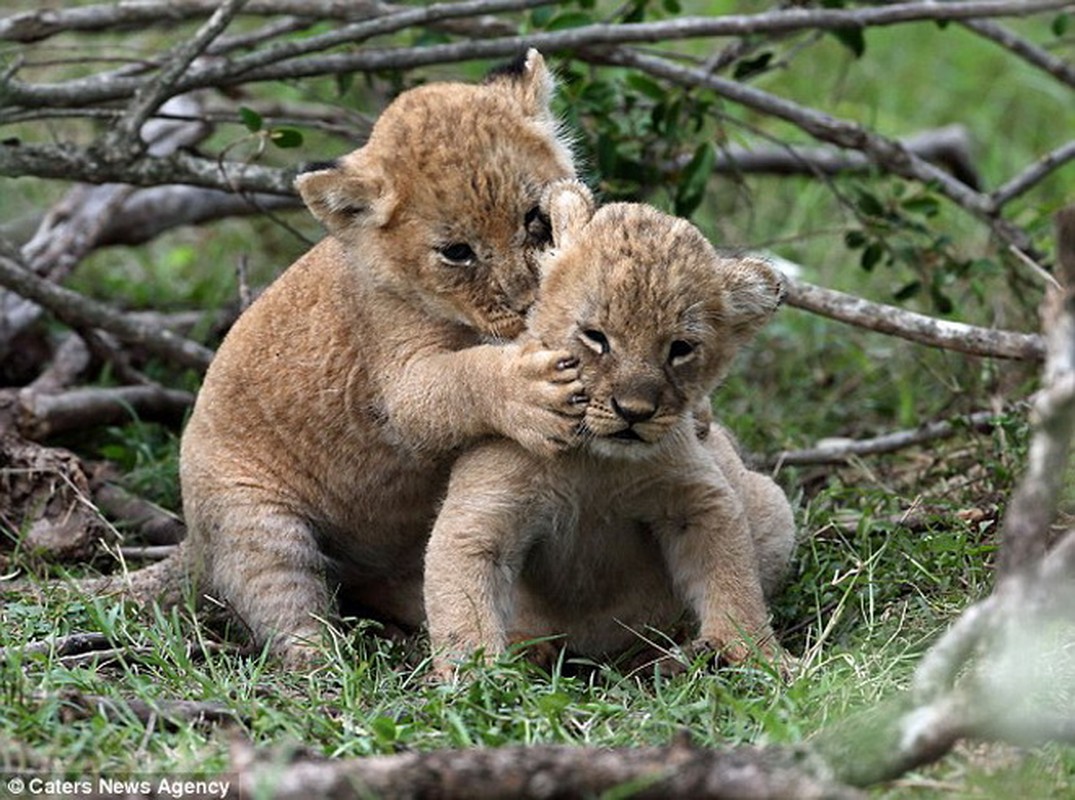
{"x": 930, "y": 331}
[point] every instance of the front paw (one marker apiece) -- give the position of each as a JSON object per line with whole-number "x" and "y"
{"x": 735, "y": 651}
{"x": 550, "y": 403}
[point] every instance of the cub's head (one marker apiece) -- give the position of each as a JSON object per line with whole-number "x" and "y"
{"x": 653, "y": 313}
{"x": 441, "y": 204}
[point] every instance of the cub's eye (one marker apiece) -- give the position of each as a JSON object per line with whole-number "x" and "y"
{"x": 458, "y": 253}
{"x": 595, "y": 340}
{"x": 680, "y": 351}
{"x": 538, "y": 228}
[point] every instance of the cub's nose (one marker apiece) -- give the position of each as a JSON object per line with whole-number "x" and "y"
{"x": 634, "y": 409}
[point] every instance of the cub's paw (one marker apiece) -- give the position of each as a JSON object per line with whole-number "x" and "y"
{"x": 736, "y": 651}
{"x": 549, "y": 400}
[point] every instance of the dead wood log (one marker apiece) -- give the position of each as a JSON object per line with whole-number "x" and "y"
{"x": 518, "y": 773}
{"x": 45, "y": 505}
{"x": 38, "y": 416}
{"x": 841, "y": 451}
{"x": 948, "y": 147}
{"x": 149, "y": 522}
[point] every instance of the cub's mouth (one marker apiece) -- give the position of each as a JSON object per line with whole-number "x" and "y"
{"x": 626, "y": 435}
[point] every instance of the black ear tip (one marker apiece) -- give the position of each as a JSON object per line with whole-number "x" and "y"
{"x": 513, "y": 69}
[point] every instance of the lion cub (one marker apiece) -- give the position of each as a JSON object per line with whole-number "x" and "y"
{"x": 644, "y": 523}
{"x": 323, "y": 435}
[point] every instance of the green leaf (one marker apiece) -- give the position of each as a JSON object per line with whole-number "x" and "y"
{"x": 855, "y": 239}
{"x": 752, "y": 66}
{"x": 672, "y": 6}
{"x": 286, "y": 137}
{"x": 646, "y": 86}
{"x": 1060, "y": 24}
{"x": 691, "y": 190}
{"x": 869, "y": 205}
{"x": 926, "y": 206}
{"x": 907, "y": 291}
{"x": 344, "y": 82}
{"x": 384, "y": 728}
{"x": 540, "y": 17}
{"x": 250, "y": 118}
{"x": 853, "y": 39}
{"x": 871, "y": 256}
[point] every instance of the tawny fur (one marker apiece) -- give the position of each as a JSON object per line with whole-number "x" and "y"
{"x": 323, "y": 434}
{"x": 645, "y": 523}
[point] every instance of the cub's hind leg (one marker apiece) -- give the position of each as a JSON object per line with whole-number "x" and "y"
{"x": 262, "y": 561}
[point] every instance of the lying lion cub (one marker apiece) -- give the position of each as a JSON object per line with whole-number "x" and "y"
{"x": 325, "y": 429}
{"x": 644, "y": 523}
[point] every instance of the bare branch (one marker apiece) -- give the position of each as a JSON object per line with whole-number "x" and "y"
{"x": 71, "y": 162}
{"x": 1034, "y": 174}
{"x": 1057, "y": 67}
{"x": 99, "y": 89}
{"x": 958, "y": 336}
{"x": 948, "y": 147}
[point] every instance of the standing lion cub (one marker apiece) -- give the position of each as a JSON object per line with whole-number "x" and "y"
{"x": 324, "y": 432}
{"x": 644, "y": 523}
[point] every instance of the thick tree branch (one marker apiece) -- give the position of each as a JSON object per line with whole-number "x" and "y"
{"x": 958, "y": 336}
{"x": 44, "y": 415}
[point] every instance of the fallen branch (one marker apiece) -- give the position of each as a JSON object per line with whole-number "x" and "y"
{"x": 842, "y": 451}
{"x": 948, "y": 147}
{"x": 60, "y": 646}
{"x": 151, "y": 523}
{"x": 149, "y": 553}
{"x": 39, "y": 416}
{"x": 77, "y": 705}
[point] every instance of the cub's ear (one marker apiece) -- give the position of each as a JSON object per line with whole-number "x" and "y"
{"x": 753, "y": 288}
{"x": 569, "y": 206}
{"x": 531, "y": 81}
{"x": 345, "y": 193}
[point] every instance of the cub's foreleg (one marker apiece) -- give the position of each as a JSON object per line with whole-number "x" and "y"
{"x": 473, "y": 558}
{"x": 710, "y": 555}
